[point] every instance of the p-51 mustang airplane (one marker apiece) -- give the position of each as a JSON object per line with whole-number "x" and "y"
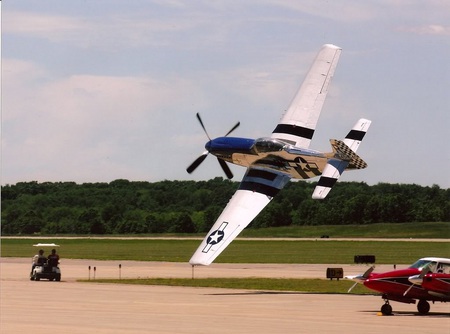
{"x": 272, "y": 161}
{"x": 427, "y": 279}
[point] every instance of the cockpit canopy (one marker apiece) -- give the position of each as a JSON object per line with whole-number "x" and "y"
{"x": 267, "y": 145}
{"x": 434, "y": 265}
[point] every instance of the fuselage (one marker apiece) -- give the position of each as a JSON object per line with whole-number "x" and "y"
{"x": 269, "y": 153}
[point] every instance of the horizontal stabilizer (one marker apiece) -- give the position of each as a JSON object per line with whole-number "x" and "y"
{"x": 331, "y": 173}
{"x": 345, "y": 153}
{"x": 342, "y": 158}
{"x": 357, "y": 133}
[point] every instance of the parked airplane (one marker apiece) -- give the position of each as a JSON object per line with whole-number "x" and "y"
{"x": 396, "y": 285}
{"x": 272, "y": 161}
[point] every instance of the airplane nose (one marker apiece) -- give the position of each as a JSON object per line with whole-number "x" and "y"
{"x": 208, "y": 146}
{"x": 416, "y": 279}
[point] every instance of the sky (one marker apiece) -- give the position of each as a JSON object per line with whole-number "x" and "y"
{"x": 94, "y": 91}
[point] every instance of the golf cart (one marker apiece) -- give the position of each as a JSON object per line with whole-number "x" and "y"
{"x": 44, "y": 267}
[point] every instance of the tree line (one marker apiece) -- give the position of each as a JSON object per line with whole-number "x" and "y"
{"x": 122, "y": 206}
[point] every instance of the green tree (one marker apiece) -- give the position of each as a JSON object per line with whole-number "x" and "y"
{"x": 88, "y": 222}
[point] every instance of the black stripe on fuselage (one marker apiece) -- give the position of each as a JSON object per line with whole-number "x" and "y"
{"x": 259, "y": 188}
{"x": 298, "y": 131}
{"x": 355, "y": 135}
{"x": 326, "y": 182}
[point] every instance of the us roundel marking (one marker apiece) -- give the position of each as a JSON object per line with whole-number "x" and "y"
{"x": 215, "y": 237}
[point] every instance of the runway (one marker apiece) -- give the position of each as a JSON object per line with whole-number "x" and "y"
{"x": 73, "y": 307}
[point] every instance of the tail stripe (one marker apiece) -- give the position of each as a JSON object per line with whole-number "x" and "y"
{"x": 356, "y": 135}
{"x": 326, "y": 182}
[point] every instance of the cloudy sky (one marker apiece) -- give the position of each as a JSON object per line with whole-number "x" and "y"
{"x": 94, "y": 91}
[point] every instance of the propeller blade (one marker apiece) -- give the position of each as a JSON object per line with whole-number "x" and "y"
{"x": 201, "y": 123}
{"x": 360, "y": 278}
{"x": 425, "y": 270}
{"x": 225, "y": 168}
{"x": 406, "y": 292}
{"x": 197, "y": 162}
{"x": 233, "y": 128}
{"x": 368, "y": 272}
{"x": 422, "y": 274}
{"x": 200, "y": 159}
{"x": 352, "y": 287}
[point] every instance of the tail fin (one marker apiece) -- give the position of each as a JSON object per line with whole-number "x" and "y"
{"x": 344, "y": 157}
{"x": 356, "y": 134}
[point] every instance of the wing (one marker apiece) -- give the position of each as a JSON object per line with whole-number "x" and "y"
{"x": 256, "y": 190}
{"x": 298, "y": 124}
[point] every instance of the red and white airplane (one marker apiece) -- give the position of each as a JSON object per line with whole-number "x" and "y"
{"x": 428, "y": 279}
{"x": 284, "y": 155}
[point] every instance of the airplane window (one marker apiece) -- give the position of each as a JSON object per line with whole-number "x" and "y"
{"x": 422, "y": 263}
{"x": 268, "y": 145}
{"x": 443, "y": 268}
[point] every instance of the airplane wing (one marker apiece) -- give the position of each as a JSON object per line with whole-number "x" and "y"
{"x": 298, "y": 124}
{"x": 256, "y": 190}
{"x": 260, "y": 185}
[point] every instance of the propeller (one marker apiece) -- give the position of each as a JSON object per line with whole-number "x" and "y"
{"x": 425, "y": 270}
{"x": 203, "y": 156}
{"x": 362, "y": 277}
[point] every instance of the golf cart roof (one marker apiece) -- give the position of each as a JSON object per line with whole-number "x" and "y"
{"x": 45, "y": 245}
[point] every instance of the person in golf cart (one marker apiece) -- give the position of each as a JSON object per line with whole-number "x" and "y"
{"x": 43, "y": 267}
{"x": 53, "y": 259}
{"x": 38, "y": 260}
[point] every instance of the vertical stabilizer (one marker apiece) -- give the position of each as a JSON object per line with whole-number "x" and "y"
{"x": 356, "y": 134}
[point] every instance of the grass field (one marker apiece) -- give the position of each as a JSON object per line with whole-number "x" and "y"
{"x": 432, "y": 230}
{"x": 253, "y": 283}
{"x": 320, "y": 251}
{"x": 240, "y": 251}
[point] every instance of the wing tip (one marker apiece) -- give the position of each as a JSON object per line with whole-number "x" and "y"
{"x": 199, "y": 262}
{"x": 320, "y": 192}
{"x": 332, "y": 46}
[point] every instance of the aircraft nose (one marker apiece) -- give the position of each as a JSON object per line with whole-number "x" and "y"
{"x": 357, "y": 278}
{"x": 416, "y": 279}
{"x": 208, "y": 146}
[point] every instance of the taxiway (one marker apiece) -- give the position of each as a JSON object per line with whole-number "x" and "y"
{"x": 73, "y": 307}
